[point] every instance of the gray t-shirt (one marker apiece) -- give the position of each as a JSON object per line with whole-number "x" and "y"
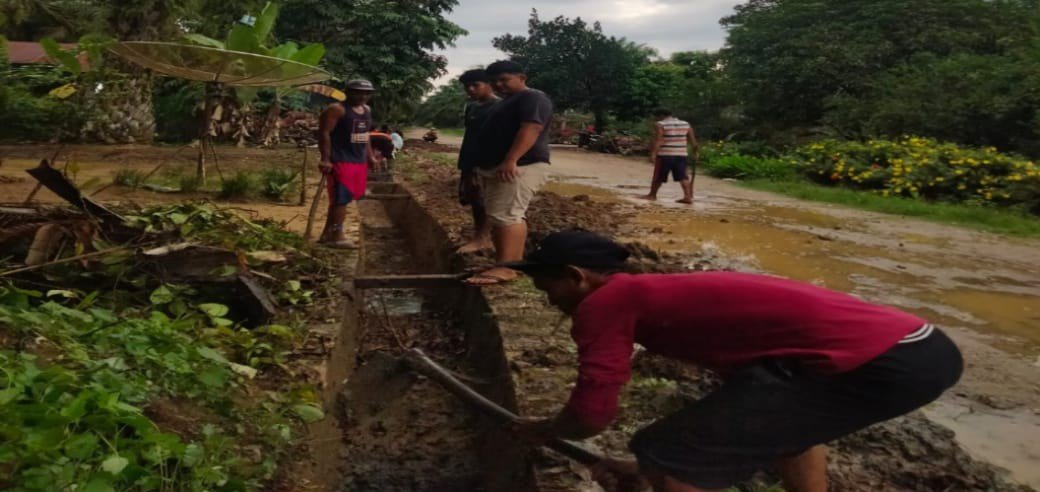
{"x": 503, "y": 123}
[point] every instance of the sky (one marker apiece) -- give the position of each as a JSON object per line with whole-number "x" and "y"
{"x": 666, "y": 25}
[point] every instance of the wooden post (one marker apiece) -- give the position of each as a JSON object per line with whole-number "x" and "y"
{"x": 307, "y": 234}
{"x": 303, "y": 177}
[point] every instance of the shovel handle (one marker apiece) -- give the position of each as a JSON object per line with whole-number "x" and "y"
{"x": 422, "y": 364}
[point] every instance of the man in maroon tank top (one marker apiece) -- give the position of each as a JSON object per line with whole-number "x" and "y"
{"x": 346, "y": 153}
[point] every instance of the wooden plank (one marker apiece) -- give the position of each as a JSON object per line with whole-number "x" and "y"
{"x": 409, "y": 281}
{"x": 387, "y": 196}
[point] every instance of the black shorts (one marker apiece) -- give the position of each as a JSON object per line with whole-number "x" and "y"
{"x": 469, "y": 189}
{"x": 671, "y": 164}
{"x": 777, "y": 409}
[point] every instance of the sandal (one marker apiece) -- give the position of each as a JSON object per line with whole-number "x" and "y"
{"x": 485, "y": 279}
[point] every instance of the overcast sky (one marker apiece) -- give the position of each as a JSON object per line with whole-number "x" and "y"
{"x": 667, "y": 25}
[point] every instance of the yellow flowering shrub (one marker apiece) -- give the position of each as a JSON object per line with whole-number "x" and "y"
{"x": 924, "y": 168}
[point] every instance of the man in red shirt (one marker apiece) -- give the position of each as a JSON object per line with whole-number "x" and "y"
{"x": 802, "y": 365}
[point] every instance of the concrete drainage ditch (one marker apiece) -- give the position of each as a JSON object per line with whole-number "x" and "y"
{"x": 400, "y": 431}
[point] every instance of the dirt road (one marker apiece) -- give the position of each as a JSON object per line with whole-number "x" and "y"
{"x": 983, "y": 288}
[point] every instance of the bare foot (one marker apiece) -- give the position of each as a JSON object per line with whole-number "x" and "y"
{"x": 494, "y": 276}
{"x": 474, "y": 245}
{"x": 688, "y": 201}
{"x": 652, "y": 198}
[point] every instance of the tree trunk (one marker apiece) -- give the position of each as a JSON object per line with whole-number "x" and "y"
{"x": 600, "y": 115}
{"x": 271, "y": 133}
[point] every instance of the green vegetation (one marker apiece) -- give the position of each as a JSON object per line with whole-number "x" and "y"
{"x": 242, "y": 184}
{"x": 276, "y": 183}
{"x": 390, "y": 43}
{"x": 148, "y": 385}
{"x": 444, "y": 108}
{"x": 916, "y": 177}
{"x": 974, "y": 216}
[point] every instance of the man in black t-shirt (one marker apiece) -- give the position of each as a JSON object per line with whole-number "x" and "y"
{"x": 513, "y": 163}
{"x": 482, "y": 101}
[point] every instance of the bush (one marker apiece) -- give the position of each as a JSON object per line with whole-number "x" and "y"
{"x": 277, "y": 182}
{"x": 924, "y": 168}
{"x": 239, "y": 185}
{"x": 130, "y": 178}
{"x": 748, "y": 167}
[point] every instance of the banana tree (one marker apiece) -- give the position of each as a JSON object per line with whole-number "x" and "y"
{"x": 255, "y": 37}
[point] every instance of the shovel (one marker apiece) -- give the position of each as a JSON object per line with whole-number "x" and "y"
{"x": 420, "y": 363}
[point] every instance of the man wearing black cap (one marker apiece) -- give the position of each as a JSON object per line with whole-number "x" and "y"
{"x": 346, "y": 154}
{"x": 802, "y": 365}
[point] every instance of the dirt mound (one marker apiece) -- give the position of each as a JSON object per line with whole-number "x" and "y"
{"x": 418, "y": 145}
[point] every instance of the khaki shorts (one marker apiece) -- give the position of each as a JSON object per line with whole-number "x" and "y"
{"x": 507, "y": 202}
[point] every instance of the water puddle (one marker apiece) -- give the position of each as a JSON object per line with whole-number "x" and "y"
{"x": 394, "y": 302}
{"x": 1006, "y": 438}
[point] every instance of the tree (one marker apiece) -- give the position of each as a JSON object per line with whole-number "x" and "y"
{"x": 575, "y": 63}
{"x": 444, "y": 108}
{"x": 388, "y": 42}
{"x": 788, "y": 57}
{"x": 692, "y": 84}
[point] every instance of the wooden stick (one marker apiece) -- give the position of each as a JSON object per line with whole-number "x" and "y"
{"x": 303, "y": 178}
{"x": 409, "y": 281}
{"x": 422, "y": 364}
{"x": 314, "y": 209}
{"x": 63, "y": 260}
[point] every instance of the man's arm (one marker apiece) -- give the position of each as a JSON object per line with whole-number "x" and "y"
{"x": 525, "y": 139}
{"x": 327, "y": 122}
{"x": 692, "y": 138}
{"x": 655, "y": 147}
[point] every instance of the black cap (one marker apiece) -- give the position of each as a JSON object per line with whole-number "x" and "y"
{"x": 361, "y": 85}
{"x": 576, "y": 248}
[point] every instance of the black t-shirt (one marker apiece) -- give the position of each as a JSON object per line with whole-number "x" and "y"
{"x": 503, "y": 123}
{"x": 476, "y": 115}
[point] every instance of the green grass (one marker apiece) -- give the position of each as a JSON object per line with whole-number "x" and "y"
{"x": 1008, "y": 222}
{"x": 456, "y": 132}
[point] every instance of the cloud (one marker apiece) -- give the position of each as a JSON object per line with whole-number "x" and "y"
{"x": 666, "y": 25}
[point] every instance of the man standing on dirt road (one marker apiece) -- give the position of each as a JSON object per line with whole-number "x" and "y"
{"x": 482, "y": 101}
{"x": 346, "y": 154}
{"x": 669, "y": 155}
{"x": 513, "y": 165}
{"x": 801, "y": 365}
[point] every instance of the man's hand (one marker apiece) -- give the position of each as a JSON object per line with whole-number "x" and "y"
{"x": 533, "y": 432}
{"x": 618, "y": 475}
{"x": 653, "y": 159}
{"x": 325, "y": 167}
{"x": 508, "y": 171}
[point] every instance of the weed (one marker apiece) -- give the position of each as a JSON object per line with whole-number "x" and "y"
{"x": 188, "y": 183}
{"x": 277, "y": 182}
{"x": 130, "y": 178}
{"x": 239, "y": 185}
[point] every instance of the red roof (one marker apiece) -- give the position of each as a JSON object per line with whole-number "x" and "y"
{"x": 30, "y": 53}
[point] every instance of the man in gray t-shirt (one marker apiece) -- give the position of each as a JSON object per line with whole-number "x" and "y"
{"x": 513, "y": 163}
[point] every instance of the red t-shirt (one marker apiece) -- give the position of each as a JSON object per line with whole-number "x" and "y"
{"x": 721, "y": 321}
